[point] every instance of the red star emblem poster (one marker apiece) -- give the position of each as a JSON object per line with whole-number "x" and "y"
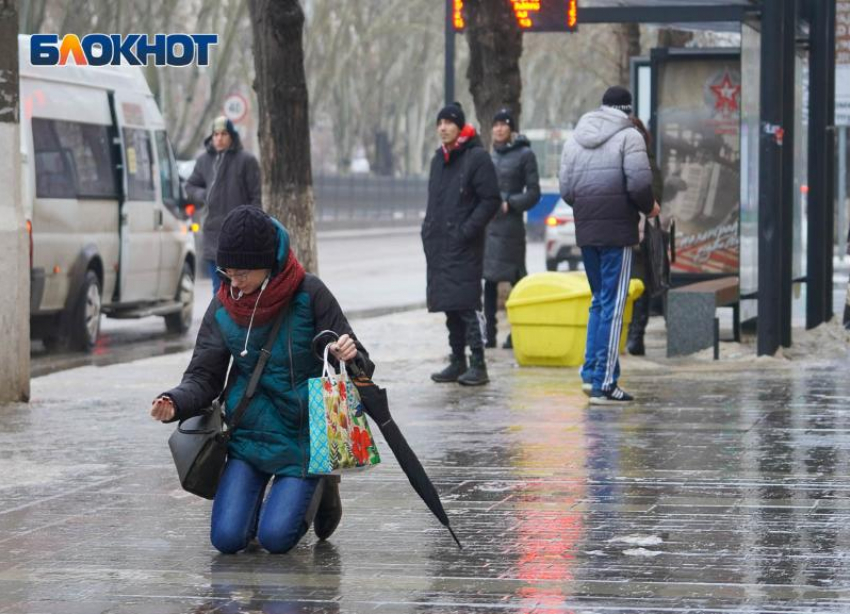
{"x": 727, "y": 94}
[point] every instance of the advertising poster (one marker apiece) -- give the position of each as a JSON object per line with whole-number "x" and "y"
{"x": 699, "y": 134}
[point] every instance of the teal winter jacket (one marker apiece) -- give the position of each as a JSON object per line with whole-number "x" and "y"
{"x": 273, "y": 435}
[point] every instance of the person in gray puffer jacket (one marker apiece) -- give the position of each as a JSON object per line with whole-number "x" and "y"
{"x": 519, "y": 185}
{"x": 606, "y": 178}
{"x": 225, "y": 177}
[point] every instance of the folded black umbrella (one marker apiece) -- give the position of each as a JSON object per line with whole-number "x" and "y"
{"x": 376, "y": 406}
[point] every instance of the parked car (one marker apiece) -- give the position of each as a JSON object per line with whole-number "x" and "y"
{"x": 103, "y": 201}
{"x": 560, "y": 238}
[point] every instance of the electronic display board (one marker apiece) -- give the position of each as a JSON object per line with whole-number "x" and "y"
{"x": 534, "y": 15}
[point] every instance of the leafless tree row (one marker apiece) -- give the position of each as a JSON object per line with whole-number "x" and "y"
{"x": 374, "y": 71}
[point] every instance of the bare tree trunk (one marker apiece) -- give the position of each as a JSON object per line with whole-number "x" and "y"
{"x": 628, "y": 36}
{"x": 284, "y": 126}
{"x": 495, "y": 47}
{"x": 14, "y": 243}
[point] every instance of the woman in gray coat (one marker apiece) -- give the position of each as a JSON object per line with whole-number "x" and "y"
{"x": 519, "y": 184}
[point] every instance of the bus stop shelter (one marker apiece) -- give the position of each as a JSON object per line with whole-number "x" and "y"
{"x": 783, "y": 36}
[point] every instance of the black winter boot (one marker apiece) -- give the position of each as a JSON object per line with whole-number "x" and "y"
{"x": 476, "y": 375}
{"x": 330, "y": 509}
{"x": 637, "y": 328}
{"x": 491, "y": 334}
{"x": 635, "y": 346}
{"x": 456, "y": 368}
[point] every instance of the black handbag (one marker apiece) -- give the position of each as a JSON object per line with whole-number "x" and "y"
{"x": 199, "y": 444}
{"x": 655, "y": 258}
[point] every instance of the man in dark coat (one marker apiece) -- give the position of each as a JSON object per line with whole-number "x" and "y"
{"x": 225, "y": 177}
{"x": 641, "y": 308}
{"x": 463, "y": 196}
{"x": 519, "y": 185}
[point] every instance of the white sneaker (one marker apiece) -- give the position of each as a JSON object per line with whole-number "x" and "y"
{"x": 615, "y": 396}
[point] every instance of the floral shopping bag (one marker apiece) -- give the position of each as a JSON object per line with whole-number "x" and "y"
{"x": 340, "y": 438}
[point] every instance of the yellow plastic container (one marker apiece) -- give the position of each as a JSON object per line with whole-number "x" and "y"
{"x": 548, "y": 313}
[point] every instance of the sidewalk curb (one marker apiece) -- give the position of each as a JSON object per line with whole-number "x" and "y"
{"x": 367, "y": 232}
{"x": 377, "y": 312}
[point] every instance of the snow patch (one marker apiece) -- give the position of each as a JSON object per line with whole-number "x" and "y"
{"x": 637, "y": 540}
{"x": 641, "y": 552}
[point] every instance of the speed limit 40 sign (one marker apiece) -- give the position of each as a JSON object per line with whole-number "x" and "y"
{"x": 235, "y": 108}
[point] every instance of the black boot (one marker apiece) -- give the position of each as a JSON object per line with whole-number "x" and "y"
{"x": 491, "y": 334}
{"x": 635, "y": 346}
{"x": 637, "y": 328}
{"x": 457, "y": 366}
{"x": 476, "y": 375}
{"x": 508, "y": 344}
{"x": 330, "y": 509}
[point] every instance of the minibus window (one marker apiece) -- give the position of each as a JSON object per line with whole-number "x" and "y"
{"x": 72, "y": 160}
{"x": 139, "y": 164}
{"x": 54, "y": 174}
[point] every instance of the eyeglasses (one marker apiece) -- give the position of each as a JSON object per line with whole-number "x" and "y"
{"x": 231, "y": 274}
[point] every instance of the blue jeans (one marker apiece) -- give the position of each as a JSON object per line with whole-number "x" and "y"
{"x": 216, "y": 280}
{"x": 239, "y": 512}
{"x": 608, "y": 270}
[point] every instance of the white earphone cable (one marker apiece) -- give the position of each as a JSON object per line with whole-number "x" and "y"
{"x": 244, "y": 351}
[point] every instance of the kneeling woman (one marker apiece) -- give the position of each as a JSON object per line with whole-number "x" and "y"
{"x": 272, "y": 442}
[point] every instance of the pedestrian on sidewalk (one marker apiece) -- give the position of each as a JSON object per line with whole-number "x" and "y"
{"x": 261, "y": 276}
{"x": 463, "y": 196}
{"x": 640, "y": 312}
{"x": 225, "y": 177}
{"x": 519, "y": 186}
{"x": 605, "y": 177}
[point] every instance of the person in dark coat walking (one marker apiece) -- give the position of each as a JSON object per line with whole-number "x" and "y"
{"x": 270, "y": 448}
{"x": 519, "y": 186}
{"x": 463, "y": 196}
{"x": 605, "y": 177}
{"x": 225, "y": 177}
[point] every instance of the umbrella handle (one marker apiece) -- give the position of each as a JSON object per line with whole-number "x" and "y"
{"x": 320, "y": 353}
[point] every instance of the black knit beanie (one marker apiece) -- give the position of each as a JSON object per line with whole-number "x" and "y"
{"x": 618, "y": 97}
{"x": 504, "y": 115}
{"x": 454, "y": 113}
{"x": 248, "y": 240}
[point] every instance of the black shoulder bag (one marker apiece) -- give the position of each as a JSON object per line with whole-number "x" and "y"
{"x": 199, "y": 444}
{"x": 656, "y": 262}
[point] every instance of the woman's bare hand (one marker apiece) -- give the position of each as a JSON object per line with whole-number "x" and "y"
{"x": 344, "y": 349}
{"x": 162, "y": 409}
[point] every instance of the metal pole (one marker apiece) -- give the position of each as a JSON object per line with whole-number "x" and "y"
{"x": 774, "y": 275}
{"x": 449, "y": 76}
{"x": 819, "y": 248}
{"x": 829, "y": 200}
{"x": 842, "y": 191}
{"x": 789, "y": 98}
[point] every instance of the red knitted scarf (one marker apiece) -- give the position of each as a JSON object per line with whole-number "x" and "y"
{"x": 275, "y": 297}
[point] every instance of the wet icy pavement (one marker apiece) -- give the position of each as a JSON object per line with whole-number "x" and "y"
{"x": 724, "y": 489}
